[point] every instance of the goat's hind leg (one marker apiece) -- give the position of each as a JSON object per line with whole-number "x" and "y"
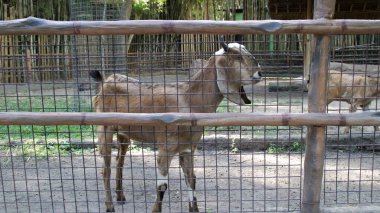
{"x": 163, "y": 163}
{"x": 123, "y": 147}
{"x": 186, "y": 160}
{"x": 105, "y": 149}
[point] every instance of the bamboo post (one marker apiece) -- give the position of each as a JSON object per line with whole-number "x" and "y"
{"x": 307, "y": 40}
{"x": 315, "y": 139}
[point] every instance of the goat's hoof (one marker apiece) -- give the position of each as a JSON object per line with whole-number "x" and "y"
{"x": 193, "y": 207}
{"x": 156, "y": 209}
{"x": 121, "y": 200}
{"x": 110, "y": 209}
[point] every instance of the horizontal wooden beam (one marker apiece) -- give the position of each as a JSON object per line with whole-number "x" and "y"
{"x": 36, "y": 26}
{"x": 190, "y": 119}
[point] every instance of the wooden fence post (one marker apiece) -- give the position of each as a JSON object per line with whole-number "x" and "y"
{"x": 315, "y": 141}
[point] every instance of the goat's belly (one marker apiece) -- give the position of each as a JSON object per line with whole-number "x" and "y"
{"x": 162, "y": 134}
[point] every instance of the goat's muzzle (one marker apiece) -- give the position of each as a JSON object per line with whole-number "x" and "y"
{"x": 257, "y": 76}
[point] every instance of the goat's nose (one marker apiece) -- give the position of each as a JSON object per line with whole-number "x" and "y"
{"x": 257, "y": 75}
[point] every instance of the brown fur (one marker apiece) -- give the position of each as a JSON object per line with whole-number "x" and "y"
{"x": 358, "y": 91}
{"x": 201, "y": 94}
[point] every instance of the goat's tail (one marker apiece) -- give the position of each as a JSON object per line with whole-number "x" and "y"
{"x": 96, "y": 75}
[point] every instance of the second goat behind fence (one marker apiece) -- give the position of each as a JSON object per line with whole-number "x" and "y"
{"x": 224, "y": 75}
{"x": 358, "y": 91}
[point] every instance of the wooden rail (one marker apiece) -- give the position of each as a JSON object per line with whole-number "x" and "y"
{"x": 32, "y": 25}
{"x": 190, "y": 119}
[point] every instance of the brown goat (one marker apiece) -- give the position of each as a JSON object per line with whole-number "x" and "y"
{"x": 224, "y": 75}
{"x": 358, "y": 91}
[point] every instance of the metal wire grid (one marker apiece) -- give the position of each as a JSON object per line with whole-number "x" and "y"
{"x": 351, "y": 173}
{"x": 239, "y": 169}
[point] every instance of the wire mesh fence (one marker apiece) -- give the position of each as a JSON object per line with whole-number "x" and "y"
{"x": 238, "y": 168}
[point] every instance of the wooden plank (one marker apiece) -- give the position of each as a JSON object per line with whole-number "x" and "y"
{"x": 190, "y": 119}
{"x": 319, "y": 26}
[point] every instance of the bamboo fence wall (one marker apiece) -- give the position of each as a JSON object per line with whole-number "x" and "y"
{"x": 32, "y": 58}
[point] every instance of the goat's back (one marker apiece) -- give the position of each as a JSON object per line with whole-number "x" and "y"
{"x": 120, "y": 93}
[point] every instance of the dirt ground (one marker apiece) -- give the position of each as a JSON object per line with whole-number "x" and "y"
{"x": 226, "y": 182}
{"x": 235, "y": 172}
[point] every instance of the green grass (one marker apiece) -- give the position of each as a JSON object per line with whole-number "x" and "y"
{"x": 227, "y": 106}
{"x": 43, "y": 149}
{"x": 285, "y": 148}
{"x": 29, "y": 134}
{"x": 19, "y": 132}
{"x": 43, "y": 104}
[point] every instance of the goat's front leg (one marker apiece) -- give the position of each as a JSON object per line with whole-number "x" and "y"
{"x": 353, "y": 109}
{"x": 186, "y": 160}
{"x": 105, "y": 149}
{"x": 123, "y": 147}
{"x": 163, "y": 163}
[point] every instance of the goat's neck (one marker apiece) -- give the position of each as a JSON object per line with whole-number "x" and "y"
{"x": 203, "y": 91}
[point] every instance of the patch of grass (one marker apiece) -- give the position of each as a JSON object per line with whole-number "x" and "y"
{"x": 42, "y": 149}
{"x": 42, "y": 104}
{"x": 227, "y": 106}
{"x": 210, "y": 211}
{"x": 267, "y": 131}
{"x": 283, "y": 148}
{"x": 19, "y": 132}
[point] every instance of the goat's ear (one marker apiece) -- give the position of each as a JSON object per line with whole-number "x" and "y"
{"x": 225, "y": 46}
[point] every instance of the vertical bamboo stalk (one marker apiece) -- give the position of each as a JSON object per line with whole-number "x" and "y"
{"x": 12, "y": 47}
{"x": 28, "y": 64}
{"x": 1, "y": 59}
{"x": 315, "y": 140}
{"x": 307, "y": 42}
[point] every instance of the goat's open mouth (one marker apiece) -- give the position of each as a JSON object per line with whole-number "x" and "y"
{"x": 243, "y": 95}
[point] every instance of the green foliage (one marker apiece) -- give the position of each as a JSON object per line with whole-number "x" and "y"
{"x": 147, "y": 8}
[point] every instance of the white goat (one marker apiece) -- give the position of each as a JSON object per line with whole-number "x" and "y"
{"x": 224, "y": 75}
{"x": 358, "y": 91}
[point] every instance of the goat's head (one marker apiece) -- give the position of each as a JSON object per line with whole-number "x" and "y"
{"x": 236, "y": 67}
